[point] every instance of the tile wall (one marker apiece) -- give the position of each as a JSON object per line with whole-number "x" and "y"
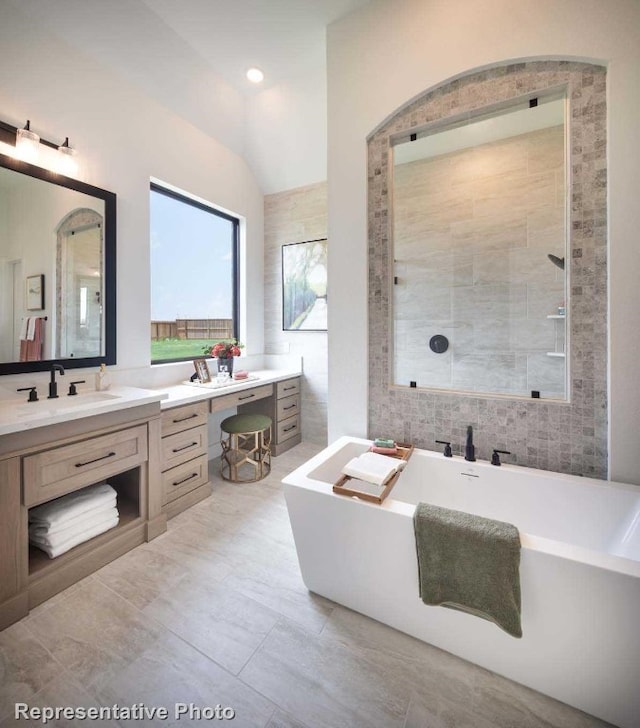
{"x": 295, "y": 216}
{"x": 566, "y": 436}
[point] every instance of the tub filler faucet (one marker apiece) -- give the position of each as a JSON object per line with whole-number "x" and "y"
{"x": 469, "y": 449}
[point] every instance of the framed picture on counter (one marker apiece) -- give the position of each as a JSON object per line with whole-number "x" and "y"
{"x": 202, "y": 370}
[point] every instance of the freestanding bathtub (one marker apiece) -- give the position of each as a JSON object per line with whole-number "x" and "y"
{"x": 579, "y": 570}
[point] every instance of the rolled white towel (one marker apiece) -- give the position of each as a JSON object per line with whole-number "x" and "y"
{"x": 69, "y": 506}
{"x": 60, "y": 547}
{"x": 84, "y": 521}
{"x": 373, "y": 467}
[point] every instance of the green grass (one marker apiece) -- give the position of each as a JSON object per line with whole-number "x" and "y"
{"x": 167, "y": 349}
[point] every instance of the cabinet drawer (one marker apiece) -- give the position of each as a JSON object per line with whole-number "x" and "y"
{"x": 243, "y": 397}
{"x": 183, "y": 418}
{"x": 184, "y": 478}
{"x": 288, "y": 387}
{"x": 288, "y": 407}
{"x": 61, "y": 470}
{"x": 183, "y": 446}
{"x": 288, "y": 428}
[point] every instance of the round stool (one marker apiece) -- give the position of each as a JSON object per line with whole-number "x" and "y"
{"x": 246, "y": 453}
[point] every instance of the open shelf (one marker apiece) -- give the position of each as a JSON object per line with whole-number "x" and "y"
{"x": 127, "y": 485}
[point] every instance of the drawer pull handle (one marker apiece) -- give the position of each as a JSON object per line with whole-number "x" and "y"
{"x": 246, "y": 396}
{"x": 184, "y": 480}
{"x": 291, "y": 406}
{"x": 184, "y": 447}
{"x": 291, "y": 427}
{"x": 95, "y": 460}
{"x": 286, "y": 389}
{"x": 184, "y": 419}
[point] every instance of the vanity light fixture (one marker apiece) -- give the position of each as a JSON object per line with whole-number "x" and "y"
{"x": 27, "y": 143}
{"x": 255, "y": 75}
{"x": 27, "y": 148}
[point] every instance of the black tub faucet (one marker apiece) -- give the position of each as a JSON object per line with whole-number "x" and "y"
{"x": 469, "y": 450}
{"x": 53, "y": 385}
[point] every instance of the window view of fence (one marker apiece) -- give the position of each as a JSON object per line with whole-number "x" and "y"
{"x": 194, "y": 279}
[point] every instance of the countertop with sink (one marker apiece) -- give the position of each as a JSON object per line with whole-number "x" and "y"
{"x": 18, "y": 414}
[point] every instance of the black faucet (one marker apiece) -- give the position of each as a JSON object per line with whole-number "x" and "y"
{"x": 53, "y": 385}
{"x": 469, "y": 450}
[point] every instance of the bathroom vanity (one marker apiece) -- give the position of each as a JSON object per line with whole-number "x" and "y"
{"x": 115, "y": 441}
{"x": 151, "y": 446}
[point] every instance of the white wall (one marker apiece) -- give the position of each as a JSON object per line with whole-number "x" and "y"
{"x": 286, "y": 135}
{"x": 124, "y": 139}
{"x": 393, "y": 50}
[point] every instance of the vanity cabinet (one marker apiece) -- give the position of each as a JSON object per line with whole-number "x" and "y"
{"x": 42, "y": 464}
{"x": 284, "y": 409}
{"x": 184, "y": 457}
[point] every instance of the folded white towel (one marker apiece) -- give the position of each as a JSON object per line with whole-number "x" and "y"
{"x": 69, "y": 506}
{"x": 31, "y": 328}
{"x": 63, "y": 546}
{"x": 23, "y": 327}
{"x": 373, "y": 467}
{"x": 84, "y": 521}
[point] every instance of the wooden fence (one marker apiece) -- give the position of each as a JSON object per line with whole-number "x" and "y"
{"x": 192, "y": 329}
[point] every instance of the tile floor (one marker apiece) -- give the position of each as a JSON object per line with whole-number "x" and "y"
{"x": 215, "y": 612}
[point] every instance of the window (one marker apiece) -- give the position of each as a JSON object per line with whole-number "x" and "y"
{"x": 194, "y": 276}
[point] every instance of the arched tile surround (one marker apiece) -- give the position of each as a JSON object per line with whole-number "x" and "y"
{"x": 570, "y": 436}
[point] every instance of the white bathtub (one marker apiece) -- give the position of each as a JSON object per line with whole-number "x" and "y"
{"x": 579, "y": 572}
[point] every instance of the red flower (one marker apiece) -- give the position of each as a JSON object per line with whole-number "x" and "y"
{"x": 225, "y": 350}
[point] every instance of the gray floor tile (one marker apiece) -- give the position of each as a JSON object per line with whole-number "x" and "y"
{"x": 171, "y": 672}
{"x": 25, "y": 667}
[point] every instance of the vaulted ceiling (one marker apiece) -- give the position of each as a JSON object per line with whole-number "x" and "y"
{"x": 192, "y": 56}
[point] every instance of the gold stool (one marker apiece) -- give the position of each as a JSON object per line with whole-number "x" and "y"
{"x": 248, "y": 447}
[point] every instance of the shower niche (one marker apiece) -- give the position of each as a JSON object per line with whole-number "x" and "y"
{"x": 479, "y": 229}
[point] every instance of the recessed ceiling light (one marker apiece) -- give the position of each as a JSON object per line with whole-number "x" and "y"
{"x": 255, "y": 75}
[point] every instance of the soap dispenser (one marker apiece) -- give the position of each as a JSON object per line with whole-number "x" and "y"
{"x": 102, "y": 379}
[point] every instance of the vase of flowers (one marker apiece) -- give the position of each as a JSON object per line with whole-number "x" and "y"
{"x": 224, "y": 352}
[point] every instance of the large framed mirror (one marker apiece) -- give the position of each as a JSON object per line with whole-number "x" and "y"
{"x": 57, "y": 270}
{"x": 479, "y": 247}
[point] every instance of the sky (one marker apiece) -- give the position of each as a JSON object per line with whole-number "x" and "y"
{"x": 182, "y": 235}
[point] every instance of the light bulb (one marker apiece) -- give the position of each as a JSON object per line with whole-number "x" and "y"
{"x": 27, "y": 144}
{"x": 66, "y": 163}
{"x": 255, "y": 75}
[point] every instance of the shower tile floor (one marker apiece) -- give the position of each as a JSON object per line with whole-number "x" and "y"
{"x": 214, "y": 612}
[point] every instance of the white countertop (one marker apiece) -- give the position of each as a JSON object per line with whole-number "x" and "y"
{"x": 17, "y": 414}
{"x": 180, "y": 394}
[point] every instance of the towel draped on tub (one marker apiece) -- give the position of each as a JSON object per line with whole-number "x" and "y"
{"x": 469, "y": 563}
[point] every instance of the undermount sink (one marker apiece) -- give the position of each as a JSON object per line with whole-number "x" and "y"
{"x": 65, "y": 402}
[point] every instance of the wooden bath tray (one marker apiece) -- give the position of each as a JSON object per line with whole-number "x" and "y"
{"x": 346, "y": 485}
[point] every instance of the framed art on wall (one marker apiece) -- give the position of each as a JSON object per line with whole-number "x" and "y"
{"x": 304, "y": 286}
{"x": 35, "y": 293}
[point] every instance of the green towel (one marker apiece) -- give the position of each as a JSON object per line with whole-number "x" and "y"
{"x": 469, "y": 563}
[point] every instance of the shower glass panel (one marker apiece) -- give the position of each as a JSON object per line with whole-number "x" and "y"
{"x": 479, "y": 234}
